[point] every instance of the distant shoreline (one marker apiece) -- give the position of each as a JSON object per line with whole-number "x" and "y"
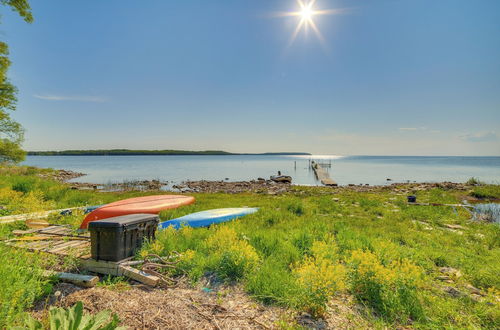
{"x": 127, "y": 152}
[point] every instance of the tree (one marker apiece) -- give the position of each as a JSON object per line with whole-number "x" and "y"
{"x": 11, "y": 132}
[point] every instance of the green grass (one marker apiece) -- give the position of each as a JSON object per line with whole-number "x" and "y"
{"x": 300, "y": 250}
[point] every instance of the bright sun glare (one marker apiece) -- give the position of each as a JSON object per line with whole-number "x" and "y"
{"x": 306, "y": 13}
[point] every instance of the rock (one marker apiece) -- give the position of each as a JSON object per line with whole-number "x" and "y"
{"x": 450, "y": 271}
{"x": 307, "y": 321}
{"x": 474, "y": 290}
{"x": 476, "y": 297}
{"x": 453, "y": 292}
{"x": 453, "y": 226}
{"x": 443, "y": 278}
{"x": 335, "y": 199}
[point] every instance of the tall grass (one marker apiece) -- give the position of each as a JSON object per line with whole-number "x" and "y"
{"x": 300, "y": 250}
{"x": 21, "y": 284}
{"x": 374, "y": 247}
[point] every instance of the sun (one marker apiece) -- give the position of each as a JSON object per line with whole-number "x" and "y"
{"x": 306, "y": 13}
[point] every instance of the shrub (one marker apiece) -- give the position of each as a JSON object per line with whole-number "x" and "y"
{"x": 319, "y": 276}
{"x": 390, "y": 290}
{"x": 232, "y": 257}
{"x": 272, "y": 282}
{"x": 17, "y": 202}
{"x": 473, "y": 182}
{"x": 486, "y": 192}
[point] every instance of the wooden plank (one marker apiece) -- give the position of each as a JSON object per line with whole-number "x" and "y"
{"x": 43, "y": 245}
{"x": 37, "y": 223}
{"x": 35, "y": 245}
{"x": 63, "y": 246}
{"x": 113, "y": 268}
{"x": 139, "y": 275}
{"x": 46, "y": 237}
{"x": 31, "y": 231}
{"x": 101, "y": 267}
{"x": 51, "y": 246}
{"x": 54, "y": 245}
{"x": 56, "y": 230}
{"x": 74, "y": 250}
{"x": 86, "y": 281}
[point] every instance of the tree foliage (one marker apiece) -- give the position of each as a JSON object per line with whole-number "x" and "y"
{"x": 11, "y": 132}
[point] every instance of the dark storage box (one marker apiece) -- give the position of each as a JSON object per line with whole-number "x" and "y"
{"x": 412, "y": 199}
{"x": 117, "y": 238}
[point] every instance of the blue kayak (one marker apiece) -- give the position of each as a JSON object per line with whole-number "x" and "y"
{"x": 207, "y": 218}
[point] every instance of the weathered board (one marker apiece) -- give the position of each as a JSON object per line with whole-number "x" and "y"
{"x": 55, "y": 240}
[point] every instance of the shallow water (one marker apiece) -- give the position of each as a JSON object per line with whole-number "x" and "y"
{"x": 373, "y": 170}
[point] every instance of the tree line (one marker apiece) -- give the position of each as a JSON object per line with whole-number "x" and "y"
{"x": 11, "y": 132}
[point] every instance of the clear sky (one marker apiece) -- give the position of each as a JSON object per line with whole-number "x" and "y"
{"x": 395, "y": 77}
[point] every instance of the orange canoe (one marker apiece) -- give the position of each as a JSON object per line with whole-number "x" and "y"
{"x": 147, "y": 204}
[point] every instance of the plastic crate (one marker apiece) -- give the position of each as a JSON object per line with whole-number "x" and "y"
{"x": 118, "y": 238}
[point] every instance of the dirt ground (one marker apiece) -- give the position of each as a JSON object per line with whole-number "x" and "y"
{"x": 141, "y": 307}
{"x": 185, "y": 307}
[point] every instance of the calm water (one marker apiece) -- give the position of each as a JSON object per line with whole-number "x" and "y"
{"x": 350, "y": 169}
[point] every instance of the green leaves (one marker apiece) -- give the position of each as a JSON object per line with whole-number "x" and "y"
{"x": 11, "y": 132}
{"x": 74, "y": 318}
{"x": 22, "y": 7}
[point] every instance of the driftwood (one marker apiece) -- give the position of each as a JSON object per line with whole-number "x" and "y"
{"x": 86, "y": 281}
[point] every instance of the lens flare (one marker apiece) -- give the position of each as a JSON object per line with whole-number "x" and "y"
{"x": 306, "y": 13}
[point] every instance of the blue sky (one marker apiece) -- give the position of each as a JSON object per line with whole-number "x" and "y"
{"x": 404, "y": 77}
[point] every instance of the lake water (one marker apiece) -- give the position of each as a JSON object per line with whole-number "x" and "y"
{"x": 373, "y": 170}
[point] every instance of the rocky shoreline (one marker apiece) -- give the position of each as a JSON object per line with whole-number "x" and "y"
{"x": 61, "y": 175}
{"x": 252, "y": 186}
{"x": 260, "y": 185}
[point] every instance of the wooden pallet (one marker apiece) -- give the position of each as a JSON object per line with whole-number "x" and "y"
{"x": 59, "y": 240}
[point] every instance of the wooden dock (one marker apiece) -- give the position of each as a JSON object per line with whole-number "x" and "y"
{"x": 322, "y": 174}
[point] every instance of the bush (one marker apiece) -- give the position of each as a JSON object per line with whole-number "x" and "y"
{"x": 231, "y": 257}
{"x": 319, "y": 276}
{"x": 473, "y": 182}
{"x": 272, "y": 283}
{"x": 486, "y": 192}
{"x": 390, "y": 290}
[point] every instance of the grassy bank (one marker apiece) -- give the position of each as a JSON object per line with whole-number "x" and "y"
{"x": 417, "y": 266}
